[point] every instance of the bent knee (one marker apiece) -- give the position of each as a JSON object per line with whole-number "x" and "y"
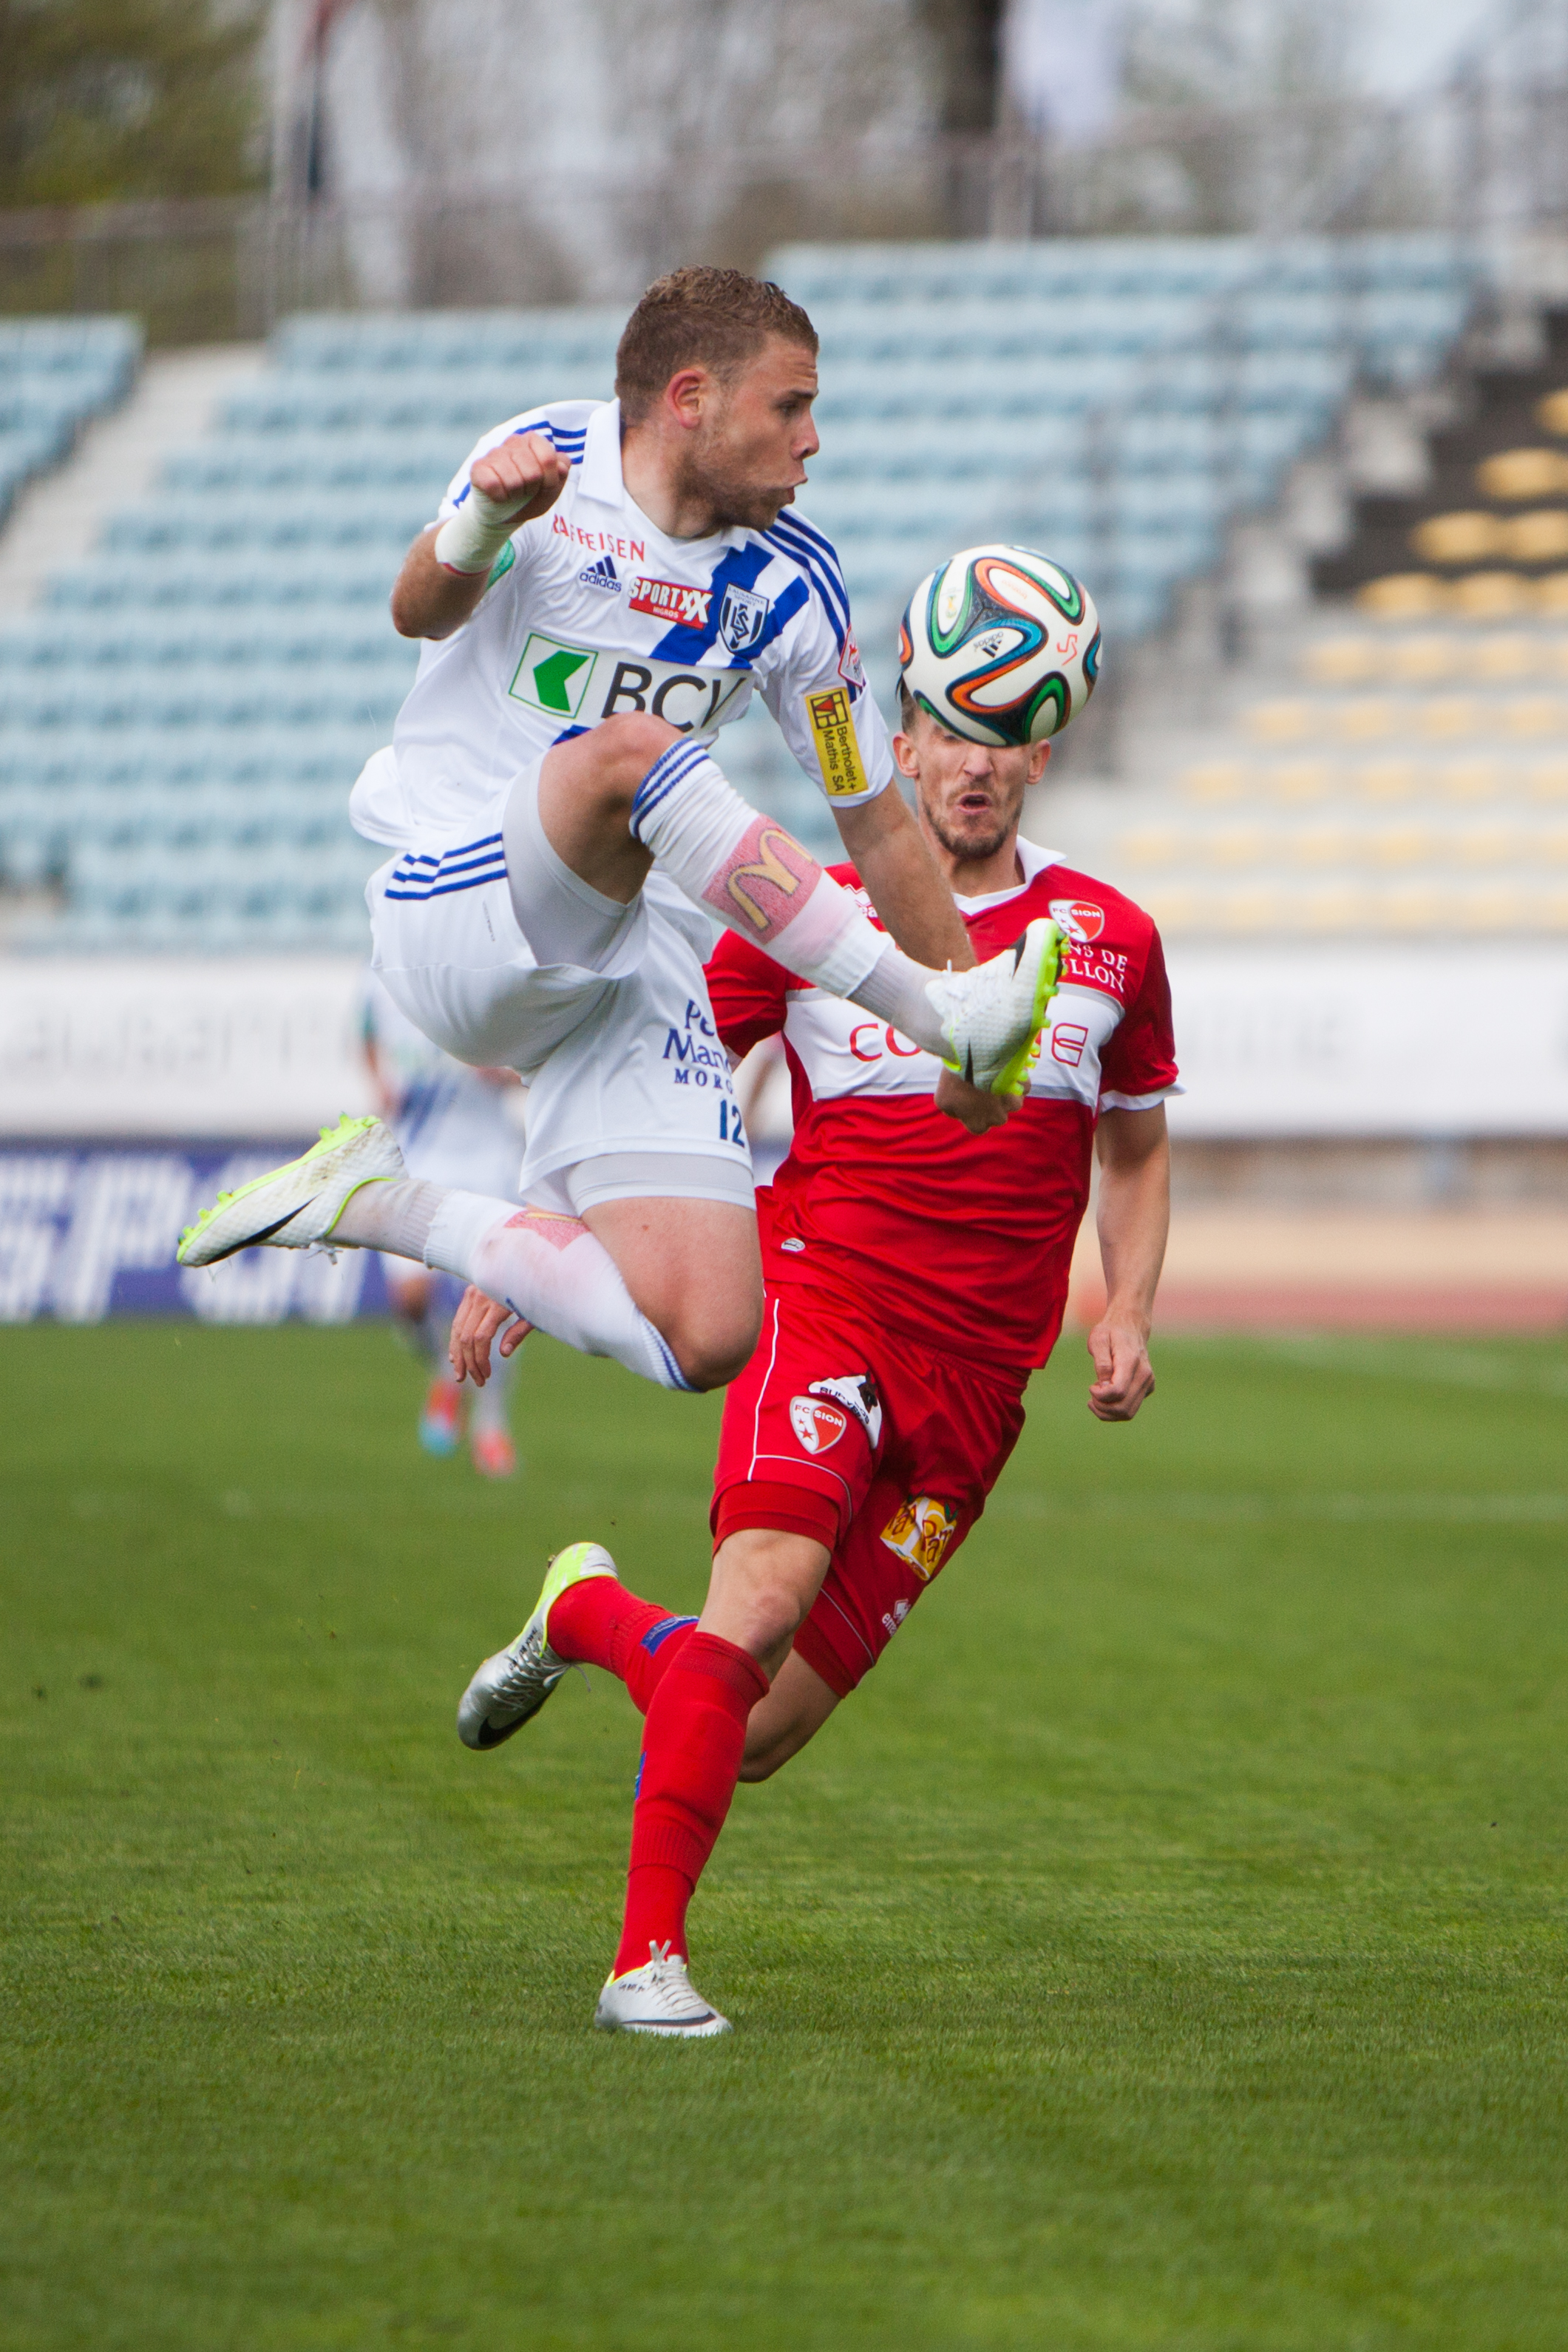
{"x": 626, "y": 746}
{"x": 710, "y": 1357}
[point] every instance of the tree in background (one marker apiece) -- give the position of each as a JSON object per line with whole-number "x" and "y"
{"x": 105, "y": 99}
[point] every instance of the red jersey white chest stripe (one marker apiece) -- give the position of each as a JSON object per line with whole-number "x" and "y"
{"x": 964, "y": 1241}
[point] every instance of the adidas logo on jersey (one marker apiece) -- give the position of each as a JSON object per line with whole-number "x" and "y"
{"x": 602, "y": 574}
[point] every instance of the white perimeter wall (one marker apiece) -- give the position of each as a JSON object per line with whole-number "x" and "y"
{"x": 1471, "y": 1040}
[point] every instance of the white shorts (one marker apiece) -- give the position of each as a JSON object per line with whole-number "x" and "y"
{"x": 622, "y": 1053}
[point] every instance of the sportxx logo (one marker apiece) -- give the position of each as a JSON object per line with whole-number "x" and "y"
{"x": 1081, "y": 918}
{"x": 672, "y": 600}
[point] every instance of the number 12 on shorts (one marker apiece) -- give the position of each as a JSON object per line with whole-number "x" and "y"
{"x": 730, "y": 1129}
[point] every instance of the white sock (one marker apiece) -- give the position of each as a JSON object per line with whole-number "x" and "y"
{"x": 389, "y": 1213}
{"x": 549, "y": 1270}
{"x": 759, "y": 881}
{"x": 894, "y": 990}
{"x": 750, "y": 873}
{"x": 487, "y": 1408}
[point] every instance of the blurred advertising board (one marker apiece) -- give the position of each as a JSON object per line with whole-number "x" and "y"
{"x": 172, "y": 1045}
{"x": 87, "y": 1232}
{"x": 1471, "y": 1038}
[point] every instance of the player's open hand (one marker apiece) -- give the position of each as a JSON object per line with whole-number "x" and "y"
{"x": 971, "y": 1105}
{"x": 474, "y": 1325}
{"x": 523, "y": 475}
{"x": 1123, "y": 1375}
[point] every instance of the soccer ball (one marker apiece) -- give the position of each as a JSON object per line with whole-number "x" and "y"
{"x": 1001, "y": 644}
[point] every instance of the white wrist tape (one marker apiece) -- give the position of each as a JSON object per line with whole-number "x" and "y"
{"x": 470, "y": 541}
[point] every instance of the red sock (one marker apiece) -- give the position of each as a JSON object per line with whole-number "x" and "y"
{"x": 599, "y": 1623}
{"x": 691, "y": 1759}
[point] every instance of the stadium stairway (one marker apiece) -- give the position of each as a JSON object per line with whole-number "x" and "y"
{"x": 185, "y": 708}
{"x": 54, "y": 375}
{"x": 1393, "y": 762}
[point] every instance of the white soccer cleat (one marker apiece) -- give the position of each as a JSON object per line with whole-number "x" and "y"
{"x": 298, "y": 1204}
{"x": 510, "y": 1689}
{"x": 992, "y": 1015}
{"x": 658, "y": 1998}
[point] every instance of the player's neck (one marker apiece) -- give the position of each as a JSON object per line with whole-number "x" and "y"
{"x": 651, "y": 473}
{"x": 978, "y": 877}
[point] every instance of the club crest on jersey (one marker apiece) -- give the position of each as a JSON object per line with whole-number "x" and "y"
{"x": 672, "y": 600}
{"x": 857, "y": 1393}
{"x": 1080, "y": 918}
{"x": 920, "y": 1532}
{"x": 818, "y": 1423}
{"x": 602, "y": 574}
{"x": 850, "y": 669}
{"x": 742, "y": 616}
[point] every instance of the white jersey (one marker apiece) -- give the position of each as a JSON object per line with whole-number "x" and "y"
{"x": 592, "y": 610}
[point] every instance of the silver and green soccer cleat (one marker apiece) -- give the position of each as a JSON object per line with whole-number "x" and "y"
{"x": 510, "y": 1689}
{"x": 297, "y": 1204}
{"x": 658, "y": 1998}
{"x": 992, "y": 1014}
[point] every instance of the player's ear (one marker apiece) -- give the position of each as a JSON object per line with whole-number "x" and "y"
{"x": 687, "y": 394}
{"x": 1038, "y": 757}
{"x": 906, "y": 757}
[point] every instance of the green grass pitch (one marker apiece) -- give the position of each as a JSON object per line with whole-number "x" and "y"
{"x": 1167, "y": 1949}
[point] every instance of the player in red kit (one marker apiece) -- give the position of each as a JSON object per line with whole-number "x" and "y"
{"x": 915, "y": 1277}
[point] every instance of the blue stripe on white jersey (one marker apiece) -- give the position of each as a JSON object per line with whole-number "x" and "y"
{"x": 817, "y": 557}
{"x": 418, "y": 875}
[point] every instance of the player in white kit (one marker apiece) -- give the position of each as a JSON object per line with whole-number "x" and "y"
{"x": 606, "y": 583}
{"x": 454, "y": 1126}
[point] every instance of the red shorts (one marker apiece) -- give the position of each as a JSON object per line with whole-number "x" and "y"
{"x": 880, "y": 1449}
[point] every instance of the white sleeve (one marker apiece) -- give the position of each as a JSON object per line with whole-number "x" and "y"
{"x": 531, "y": 420}
{"x": 817, "y": 691}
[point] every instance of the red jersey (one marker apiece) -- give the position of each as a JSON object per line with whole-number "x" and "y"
{"x": 965, "y": 1241}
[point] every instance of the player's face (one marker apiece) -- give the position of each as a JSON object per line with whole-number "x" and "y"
{"x": 747, "y": 457}
{"x": 970, "y": 794}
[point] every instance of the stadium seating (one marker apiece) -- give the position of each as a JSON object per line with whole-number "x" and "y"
{"x": 54, "y": 374}
{"x": 183, "y": 716}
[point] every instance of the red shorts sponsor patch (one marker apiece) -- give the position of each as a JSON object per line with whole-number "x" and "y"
{"x": 893, "y": 1492}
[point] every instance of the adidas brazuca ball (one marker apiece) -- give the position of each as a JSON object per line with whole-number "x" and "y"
{"x": 1001, "y": 644}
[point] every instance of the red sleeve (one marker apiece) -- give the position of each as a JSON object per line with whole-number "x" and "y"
{"x": 1140, "y": 1056}
{"x": 748, "y": 990}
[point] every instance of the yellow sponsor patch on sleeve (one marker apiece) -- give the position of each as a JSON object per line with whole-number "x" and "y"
{"x": 838, "y": 745}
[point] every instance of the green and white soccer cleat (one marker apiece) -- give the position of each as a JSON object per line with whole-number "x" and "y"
{"x": 298, "y": 1204}
{"x": 510, "y": 1689}
{"x": 992, "y": 1015}
{"x": 658, "y": 1998}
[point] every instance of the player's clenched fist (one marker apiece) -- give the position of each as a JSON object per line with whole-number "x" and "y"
{"x": 514, "y": 483}
{"x": 524, "y": 476}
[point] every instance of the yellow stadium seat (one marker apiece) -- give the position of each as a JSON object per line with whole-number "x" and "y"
{"x": 1294, "y": 780}
{"x": 1280, "y": 722}
{"x": 1493, "y": 595}
{"x": 1549, "y": 779}
{"x": 1470, "y": 780}
{"x": 1413, "y": 906}
{"x": 1400, "y": 844}
{"x": 1403, "y": 596}
{"x": 1341, "y": 909}
{"x": 1484, "y": 844}
{"x": 1324, "y": 844}
{"x": 1523, "y": 474}
{"x": 1239, "y": 845}
{"x": 1509, "y": 656}
{"x": 1391, "y": 779}
{"x": 1469, "y": 537}
{"x": 1535, "y": 714}
{"x": 1427, "y": 657}
{"x": 1150, "y": 844}
{"x": 1538, "y": 536}
{"x": 1341, "y": 661}
{"x": 1446, "y": 716}
{"x": 1216, "y": 779}
{"x": 1552, "y": 592}
{"x": 1553, "y": 412}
